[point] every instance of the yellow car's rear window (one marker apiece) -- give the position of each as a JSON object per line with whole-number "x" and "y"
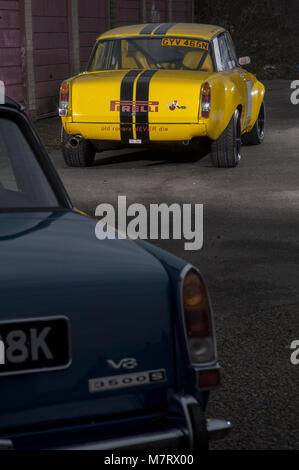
{"x": 152, "y": 53}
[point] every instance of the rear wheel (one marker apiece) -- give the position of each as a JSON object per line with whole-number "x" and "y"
{"x": 81, "y": 155}
{"x": 226, "y": 150}
{"x": 257, "y": 134}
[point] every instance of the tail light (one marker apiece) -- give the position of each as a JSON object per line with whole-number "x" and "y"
{"x": 208, "y": 378}
{"x": 205, "y": 100}
{"x": 199, "y": 330}
{"x": 64, "y": 99}
{"x": 198, "y": 320}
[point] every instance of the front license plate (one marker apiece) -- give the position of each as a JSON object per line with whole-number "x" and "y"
{"x": 35, "y": 345}
{"x": 135, "y": 141}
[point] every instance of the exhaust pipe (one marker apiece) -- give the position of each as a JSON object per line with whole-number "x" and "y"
{"x": 75, "y": 140}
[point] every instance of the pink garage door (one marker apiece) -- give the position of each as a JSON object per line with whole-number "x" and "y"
{"x": 11, "y": 72}
{"x": 127, "y": 12}
{"x": 182, "y": 11}
{"x": 51, "y": 43}
{"x": 157, "y": 11}
{"x": 93, "y": 20}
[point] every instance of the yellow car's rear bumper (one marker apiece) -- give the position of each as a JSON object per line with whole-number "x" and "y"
{"x": 157, "y": 132}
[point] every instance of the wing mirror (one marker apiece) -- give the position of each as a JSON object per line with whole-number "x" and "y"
{"x": 244, "y": 61}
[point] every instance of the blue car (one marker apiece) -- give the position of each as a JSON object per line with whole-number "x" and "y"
{"x": 104, "y": 344}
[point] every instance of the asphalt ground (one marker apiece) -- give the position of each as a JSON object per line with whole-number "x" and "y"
{"x": 250, "y": 260}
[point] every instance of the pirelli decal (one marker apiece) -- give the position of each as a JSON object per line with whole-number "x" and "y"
{"x": 157, "y": 28}
{"x": 134, "y": 111}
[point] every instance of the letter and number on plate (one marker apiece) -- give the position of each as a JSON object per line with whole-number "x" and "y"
{"x": 34, "y": 345}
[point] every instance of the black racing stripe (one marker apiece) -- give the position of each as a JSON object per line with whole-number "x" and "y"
{"x": 142, "y": 94}
{"x": 126, "y": 94}
{"x": 149, "y": 28}
{"x": 164, "y": 28}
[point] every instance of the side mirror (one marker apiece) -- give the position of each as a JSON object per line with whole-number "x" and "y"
{"x": 244, "y": 61}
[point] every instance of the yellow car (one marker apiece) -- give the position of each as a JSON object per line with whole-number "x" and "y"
{"x": 169, "y": 83}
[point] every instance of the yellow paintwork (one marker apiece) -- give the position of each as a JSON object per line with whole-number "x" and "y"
{"x": 92, "y": 113}
{"x": 204, "y": 31}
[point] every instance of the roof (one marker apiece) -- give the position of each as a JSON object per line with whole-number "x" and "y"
{"x": 204, "y": 31}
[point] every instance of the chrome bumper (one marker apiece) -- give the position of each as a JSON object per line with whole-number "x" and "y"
{"x": 170, "y": 439}
{"x": 218, "y": 428}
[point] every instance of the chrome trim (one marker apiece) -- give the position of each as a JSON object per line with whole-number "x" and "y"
{"x": 204, "y": 365}
{"x": 74, "y": 140}
{"x": 217, "y": 54}
{"x": 218, "y": 428}
{"x": 131, "y": 442}
{"x": 185, "y": 401}
{"x": 249, "y": 87}
{"x": 6, "y": 444}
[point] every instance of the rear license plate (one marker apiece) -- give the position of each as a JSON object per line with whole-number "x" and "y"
{"x": 35, "y": 345}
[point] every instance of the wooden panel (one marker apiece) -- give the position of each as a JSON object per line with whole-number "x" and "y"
{"x": 47, "y": 105}
{"x": 93, "y": 20}
{"x": 16, "y": 92}
{"x": 182, "y": 11}
{"x": 84, "y": 57}
{"x": 52, "y": 48}
{"x": 11, "y": 75}
{"x": 51, "y": 57}
{"x": 49, "y": 24}
{"x": 11, "y": 72}
{"x": 50, "y": 41}
{"x": 10, "y": 38}
{"x": 52, "y": 72}
{"x": 9, "y": 19}
{"x": 92, "y": 8}
{"x": 127, "y": 12}
{"x": 49, "y": 8}
{"x": 9, "y": 5}
{"x": 47, "y": 89}
{"x": 157, "y": 11}
{"x": 10, "y": 57}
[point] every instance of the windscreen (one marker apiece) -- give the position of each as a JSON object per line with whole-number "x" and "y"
{"x": 152, "y": 53}
{"x": 22, "y": 181}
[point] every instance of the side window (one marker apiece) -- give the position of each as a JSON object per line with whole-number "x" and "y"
{"x": 231, "y": 51}
{"x": 224, "y": 54}
{"x": 98, "y": 60}
{"x": 7, "y": 180}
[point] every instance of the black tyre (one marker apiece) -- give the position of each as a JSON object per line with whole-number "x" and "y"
{"x": 257, "y": 134}
{"x": 226, "y": 150}
{"x": 199, "y": 426}
{"x": 82, "y": 155}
